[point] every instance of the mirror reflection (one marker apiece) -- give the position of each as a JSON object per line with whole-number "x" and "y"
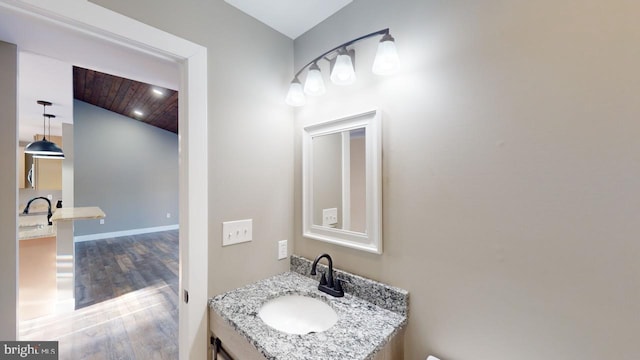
{"x": 339, "y": 180}
{"x": 342, "y": 182}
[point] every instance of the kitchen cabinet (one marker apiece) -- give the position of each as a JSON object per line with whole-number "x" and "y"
{"x": 37, "y": 277}
{"x": 48, "y": 174}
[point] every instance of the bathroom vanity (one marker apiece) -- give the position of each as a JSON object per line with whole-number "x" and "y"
{"x": 370, "y": 319}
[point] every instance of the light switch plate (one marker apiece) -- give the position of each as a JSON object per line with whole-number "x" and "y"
{"x": 330, "y": 217}
{"x": 282, "y": 249}
{"x": 235, "y": 232}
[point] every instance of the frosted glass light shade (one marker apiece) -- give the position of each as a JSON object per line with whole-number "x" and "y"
{"x": 343, "y": 72}
{"x": 314, "y": 84}
{"x": 295, "y": 96}
{"x": 387, "y": 60}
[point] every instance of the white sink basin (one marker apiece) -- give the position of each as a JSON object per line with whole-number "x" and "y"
{"x": 296, "y": 314}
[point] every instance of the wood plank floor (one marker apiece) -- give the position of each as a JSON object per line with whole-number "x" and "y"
{"x": 126, "y": 301}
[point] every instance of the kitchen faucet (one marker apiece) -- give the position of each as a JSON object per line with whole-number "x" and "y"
{"x": 328, "y": 286}
{"x": 49, "y": 214}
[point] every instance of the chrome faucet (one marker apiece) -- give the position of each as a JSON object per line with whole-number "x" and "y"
{"x": 328, "y": 285}
{"x": 49, "y": 213}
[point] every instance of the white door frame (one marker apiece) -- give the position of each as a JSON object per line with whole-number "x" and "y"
{"x": 88, "y": 18}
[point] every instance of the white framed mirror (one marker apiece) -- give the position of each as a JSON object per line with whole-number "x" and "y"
{"x": 342, "y": 182}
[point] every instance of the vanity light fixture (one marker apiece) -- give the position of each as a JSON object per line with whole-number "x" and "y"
{"x": 342, "y": 72}
{"x": 386, "y": 61}
{"x": 295, "y": 96}
{"x": 314, "y": 84}
{"x": 44, "y": 148}
{"x": 342, "y": 67}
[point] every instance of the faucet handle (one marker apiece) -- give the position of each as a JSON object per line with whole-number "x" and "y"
{"x": 338, "y": 286}
{"x": 323, "y": 279}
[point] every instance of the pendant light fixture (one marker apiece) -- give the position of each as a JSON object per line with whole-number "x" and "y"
{"x": 342, "y": 65}
{"x": 44, "y": 149}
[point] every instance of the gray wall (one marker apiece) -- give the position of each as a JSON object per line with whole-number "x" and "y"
{"x": 126, "y": 167}
{"x": 510, "y": 172}
{"x": 8, "y": 190}
{"x": 250, "y": 129}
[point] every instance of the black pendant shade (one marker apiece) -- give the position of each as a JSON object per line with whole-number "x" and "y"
{"x": 44, "y": 148}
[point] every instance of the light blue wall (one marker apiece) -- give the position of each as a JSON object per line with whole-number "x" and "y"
{"x": 127, "y": 168}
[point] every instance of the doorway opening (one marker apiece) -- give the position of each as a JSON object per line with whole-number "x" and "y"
{"x": 125, "y": 270}
{"x": 99, "y": 24}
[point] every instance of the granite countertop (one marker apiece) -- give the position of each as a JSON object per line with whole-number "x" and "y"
{"x": 78, "y": 213}
{"x": 363, "y": 328}
{"x": 34, "y": 226}
{"x": 41, "y": 232}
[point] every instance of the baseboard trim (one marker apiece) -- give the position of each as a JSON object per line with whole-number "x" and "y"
{"x": 107, "y": 235}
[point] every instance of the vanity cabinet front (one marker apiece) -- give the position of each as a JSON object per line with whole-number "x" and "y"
{"x": 236, "y": 346}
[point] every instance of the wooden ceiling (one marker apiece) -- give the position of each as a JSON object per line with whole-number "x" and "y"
{"x": 123, "y": 96}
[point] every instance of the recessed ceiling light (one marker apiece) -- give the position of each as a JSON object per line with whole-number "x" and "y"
{"x": 158, "y": 92}
{"x": 138, "y": 112}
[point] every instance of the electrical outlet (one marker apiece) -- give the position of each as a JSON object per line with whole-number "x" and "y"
{"x": 49, "y": 196}
{"x": 101, "y": 222}
{"x": 282, "y": 249}
{"x": 235, "y": 232}
{"x": 168, "y": 215}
